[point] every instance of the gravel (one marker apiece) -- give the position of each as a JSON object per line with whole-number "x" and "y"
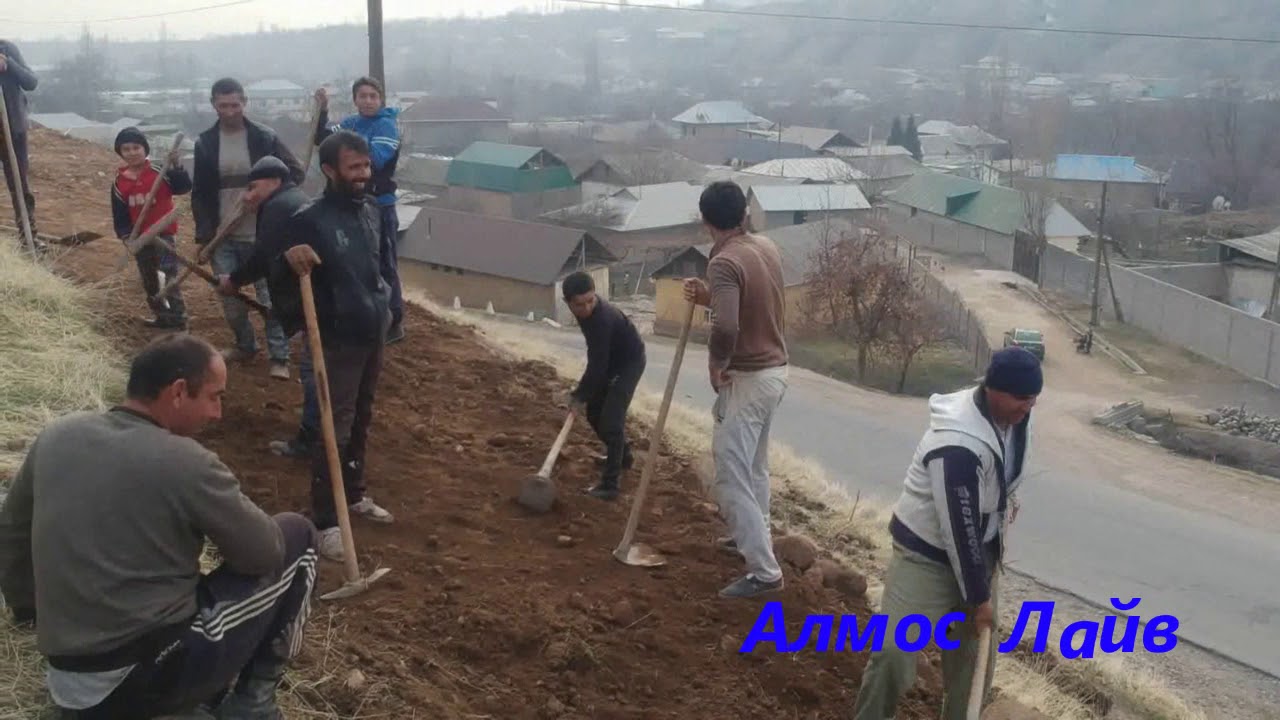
{"x": 1238, "y": 421}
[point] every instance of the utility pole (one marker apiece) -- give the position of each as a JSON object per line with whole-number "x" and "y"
{"x": 1275, "y": 293}
{"x": 1097, "y": 263}
{"x": 375, "y": 45}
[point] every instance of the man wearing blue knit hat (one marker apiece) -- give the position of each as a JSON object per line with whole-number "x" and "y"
{"x": 948, "y": 531}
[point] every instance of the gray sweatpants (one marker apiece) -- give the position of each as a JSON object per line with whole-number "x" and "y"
{"x": 743, "y": 413}
{"x": 916, "y": 584}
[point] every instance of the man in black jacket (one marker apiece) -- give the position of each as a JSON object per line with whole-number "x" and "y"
{"x": 16, "y": 80}
{"x": 276, "y": 198}
{"x": 335, "y": 240}
{"x": 224, "y": 155}
{"x": 615, "y": 363}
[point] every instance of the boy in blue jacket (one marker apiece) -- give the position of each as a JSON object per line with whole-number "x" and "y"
{"x": 377, "y": 124}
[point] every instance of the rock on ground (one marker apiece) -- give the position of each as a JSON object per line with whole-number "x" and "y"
{"x": 796, "y": 550}
{"x": 1008, "y": 709}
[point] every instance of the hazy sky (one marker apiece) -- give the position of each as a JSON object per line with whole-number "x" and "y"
{"x": 35, "y": 20}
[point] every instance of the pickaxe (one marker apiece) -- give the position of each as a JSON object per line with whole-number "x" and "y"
{"x": 208, "y": 276}
{"x": 132, "y": 244}
{"x": 207, "y": 251}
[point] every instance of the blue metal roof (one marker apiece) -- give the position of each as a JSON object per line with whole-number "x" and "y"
{"x": 1102, "y": 168}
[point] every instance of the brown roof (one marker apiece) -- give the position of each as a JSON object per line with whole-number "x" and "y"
{"x": 525, "y": 251}
{"x": 452, "y": 109}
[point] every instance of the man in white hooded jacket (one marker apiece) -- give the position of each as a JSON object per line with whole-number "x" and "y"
{"x": 948, "y": 531}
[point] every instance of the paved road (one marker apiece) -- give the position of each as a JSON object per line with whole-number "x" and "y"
{"x": 1077, "y": 531}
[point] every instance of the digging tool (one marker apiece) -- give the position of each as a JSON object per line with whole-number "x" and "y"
{"x": 210, "y": 277}
{"x": 641, "y": 555}
{"x": 980, "y": 670}
{"x": 353, "y": 582}
{"x": 538, "y": 492}
{"x": 311, "y": 140}
{"x": 207, "y": 251}
{"x": 132, "y": 245}
{"x": 19, "y": 187}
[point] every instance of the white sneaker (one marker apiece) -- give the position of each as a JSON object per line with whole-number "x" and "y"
{"x": 331, "y": 544}
{"x": 367, "y": 508}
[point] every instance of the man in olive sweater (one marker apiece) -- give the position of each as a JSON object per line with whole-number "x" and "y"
{"x": 100, "y": 543}
{"x": 747, "y": 354}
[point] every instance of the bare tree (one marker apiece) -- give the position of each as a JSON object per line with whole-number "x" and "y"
{"x": 916, "y": 328}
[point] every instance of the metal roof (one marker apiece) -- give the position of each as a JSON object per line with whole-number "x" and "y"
{"x": 719, "y": 112}
{"x": 529, "y": 252}
{"x": 743, "y": 149}
{"x": 810, "y": 198}
{"x": 796, "y": 244}
{"x": 1264, "y": 247}
{"x": 453, "y": 109}
{"x": 483, "y": 152}
{"x": 62, "y": 122}
{"x": 746, "y": 180}
{"x": 508, "y": 168}
{"x": 821, "y": 169}
{"x": 992, "y": 207}
{"x": 811, "y": 137}
{"x": 642, "y": 207}
{"x": 1060, "y": 223}
{"x": 1102, "y": 168}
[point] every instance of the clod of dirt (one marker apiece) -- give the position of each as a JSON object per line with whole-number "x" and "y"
{"x": 554, "y": 708}
{"x": 709, "y": 508}
{"x": 453, "y": 584}
{"x": 622, "y": 613}
{"x": 16, "y": 444}
{"x": 558, "y": 654}
{"x": 729, "y": 644}
{"x": 432, "y": 541}
{"x": 355, "y": 680}
{"x": 843, "y": 579}
{"x": 564, "y": 541}
{"x": 420, "y": 432}
{"x": 928, "y": 677}
{"x": 1008, "y": 709}
{"x": 797, "y": 551}
{"x": 499, "y": 440}
{"x": 273, "y": 405}
{"x": 813, "y": 577}
{"x": 578, "y": 601}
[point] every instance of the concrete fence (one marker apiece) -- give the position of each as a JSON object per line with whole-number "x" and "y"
{"x": 1173, "y": 314}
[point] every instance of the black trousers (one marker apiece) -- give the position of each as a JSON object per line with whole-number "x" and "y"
{"x": 353, "y": 381}
{"x": 607, "y": 414}
{"x": 245, "y": 627}
{"x": 25, "y": 196}
{"x": 150, "y": 259}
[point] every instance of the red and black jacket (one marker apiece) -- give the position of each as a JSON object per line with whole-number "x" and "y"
{"x": 128, "y": 195}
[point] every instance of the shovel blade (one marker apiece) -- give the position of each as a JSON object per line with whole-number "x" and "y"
{"x": 356, "y": 587}
{"x": 639, "y": 556}
{"x": 537, "y": 493}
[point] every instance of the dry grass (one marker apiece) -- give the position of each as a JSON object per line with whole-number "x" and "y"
{"x": 855, "y": 531}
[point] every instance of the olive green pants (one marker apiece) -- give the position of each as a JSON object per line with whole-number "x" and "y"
{"x": 917, "y": 585}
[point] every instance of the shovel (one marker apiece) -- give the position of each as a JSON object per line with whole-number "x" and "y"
{"x": 353, "y": 582}
{"x": 207, "y": 251}
{"x": 19, "y": 187}
{"x": 132, "y": 245}
{"x": 538, "y": 492}
{"x": 641, "y": 555}
{"x": 209, "y": 277}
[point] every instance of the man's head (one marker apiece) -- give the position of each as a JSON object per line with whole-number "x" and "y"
{"x": 580, "y": 294}
{"x": 228, "y": 100}
{"x": 266, "y": 176}
{"x": 366, "y": 93}
{"x": 178, "y": 380}
{"x": 344, "y": 158}
{"x": 132, "y": 147}
{"x": 723, "y": 206}
{"x": 1012, "y": 384}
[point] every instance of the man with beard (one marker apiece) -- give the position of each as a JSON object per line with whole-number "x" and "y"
{"x": 335, "y": 240}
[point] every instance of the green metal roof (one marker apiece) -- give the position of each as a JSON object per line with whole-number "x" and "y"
{"x": 995, "y": 208}
{"x": 508, "y": 168}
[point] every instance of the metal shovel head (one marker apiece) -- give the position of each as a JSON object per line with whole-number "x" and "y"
{"x": 537, "y": 493}
{"x": 355, "y": 588}
{"x": 639, "y": 556}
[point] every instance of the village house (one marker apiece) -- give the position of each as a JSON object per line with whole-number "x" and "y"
{"x": 961, "y": 216}
{"x": 278, "y": 98}
{"x": 739, "y": 152}
{"x": 514, "y": 181}
{"x": 717, "y": 119}
{"x": 885, "y": 167}
{"x": 810, "y": 170}
{"x": 517, "y": 266}
{"x": 1079, "y": 179}
{"x": 820, "y": 140}
{"x": 775, "y": 206}
{"x": 445, "y": 125}
{"x": 613, "y": 171}
{"x": 796, "y": 244}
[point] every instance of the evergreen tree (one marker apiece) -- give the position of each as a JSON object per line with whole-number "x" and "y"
{"x": 895, "y": 133}
{"x": 911, "y": 140}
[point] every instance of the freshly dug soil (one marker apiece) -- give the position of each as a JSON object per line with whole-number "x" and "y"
{"x": 488, "y": 611}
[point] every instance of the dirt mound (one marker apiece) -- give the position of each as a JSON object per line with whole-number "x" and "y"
{"x": 488, "y": 611}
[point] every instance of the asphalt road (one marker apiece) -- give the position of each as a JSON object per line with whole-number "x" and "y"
{"x": 1077, "y": 530}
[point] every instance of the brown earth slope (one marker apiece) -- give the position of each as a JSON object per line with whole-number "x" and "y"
{"x": 487, "y": 612}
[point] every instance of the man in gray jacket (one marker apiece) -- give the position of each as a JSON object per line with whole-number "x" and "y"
{"x": 948, "y": 531}
{"x": 16, "y": 80}
{"x": 100, "y": 542}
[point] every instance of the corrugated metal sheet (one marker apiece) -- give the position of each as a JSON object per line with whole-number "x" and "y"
{"x": 1102, "y": 168}
{"x": 1060, "y": 223}
{"x": 719, "y": 112}
{"x": 452, "y": 109}
{"x": 796, "y": 244}
{"x": 992, "y": 207}
{"x": 500, "y": 154}
{"x": 1264, "y": 247}
{"x": 502, "y": 168}
{"x": 810, "y": 198}
{"x": 825, "y": 169}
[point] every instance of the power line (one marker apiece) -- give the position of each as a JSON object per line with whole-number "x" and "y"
{"x": 129, "y": 17}
{"x": 923, "y": 23}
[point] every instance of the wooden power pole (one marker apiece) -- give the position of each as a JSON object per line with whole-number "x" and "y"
{"x": 1097, "y": 262}
{"x": 376, "y": 70}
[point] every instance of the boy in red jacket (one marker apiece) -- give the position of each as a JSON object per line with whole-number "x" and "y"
{"x": 128, "y": 194}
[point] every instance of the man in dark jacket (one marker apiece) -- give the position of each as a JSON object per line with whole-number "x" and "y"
{"x": 224, "y": 155}
{"x": 615, "y": 363}
{"x": 276, "y": 198}
{"x": 335, "y": 240}
{"x": 16, "y": 80}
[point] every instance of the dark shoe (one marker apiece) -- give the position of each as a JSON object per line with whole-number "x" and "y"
{"x": 749, "y": 587}
{"x": 604, "y": 492}
{"x": 628, "y": 461}
{"x": 395, "y": 334}
{"x": 299, "y": 446}
{"x": 165, "y": 323}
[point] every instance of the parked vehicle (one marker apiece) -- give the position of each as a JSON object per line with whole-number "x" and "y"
{"x": 1032, "y": 340}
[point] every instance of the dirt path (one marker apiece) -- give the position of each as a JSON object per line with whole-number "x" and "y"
{"x": 490, "y": 612}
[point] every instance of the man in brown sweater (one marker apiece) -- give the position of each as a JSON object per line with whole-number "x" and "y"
{"x": 747, "y": 354}
{"x": 100, "y": 543}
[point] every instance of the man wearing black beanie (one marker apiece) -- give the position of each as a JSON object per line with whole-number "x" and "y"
{"x": 948, "y": 531}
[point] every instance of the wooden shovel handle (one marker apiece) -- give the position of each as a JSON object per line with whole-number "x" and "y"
{"x": 209, "y": 277}
{"x": 550, "y": 462}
